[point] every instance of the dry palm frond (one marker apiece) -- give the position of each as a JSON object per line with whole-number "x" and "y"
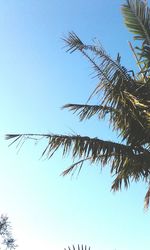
{"x": 74, "y": 43}
{"x": 125, "y": 160}
{"x": 78, "y": 145}
{"x": 85, "y": 111}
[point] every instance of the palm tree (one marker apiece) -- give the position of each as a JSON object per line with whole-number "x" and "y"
{"x": 125, "y": 100}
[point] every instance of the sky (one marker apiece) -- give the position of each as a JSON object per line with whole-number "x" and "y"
{"x": 37, "y": 77}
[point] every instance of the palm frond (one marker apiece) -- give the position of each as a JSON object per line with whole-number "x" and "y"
{"x": 143, "y": 53}
{"x": 136, "y": 17}
{"x": 85, "y": 111}
{"x": 74, "y": 43}
{"x": 120, "y": 118}
{"x": 82, "y": 247}
{"x": 131, "y": 169}
{"x": 124, "y": 159}
{"x": 77, "y": 165}
{"x": 80, "y": 146}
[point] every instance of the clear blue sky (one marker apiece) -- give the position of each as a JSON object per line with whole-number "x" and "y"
{"x": 37, "y": 77}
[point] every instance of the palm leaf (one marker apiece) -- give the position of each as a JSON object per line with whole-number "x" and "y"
{"x": 80, "y": 146}
{"x": 131, "y": 169}
{"x": 85, "y": 111}
{"x": 126, "y": 160}
{"x": 136, "y": 17}
{"x": 120, "y": 118}
{"x": 74, "y": 43}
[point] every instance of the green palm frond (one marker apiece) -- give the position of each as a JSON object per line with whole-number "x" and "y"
{"x": 136, "y": 17}
{"x": 143, "y": 53}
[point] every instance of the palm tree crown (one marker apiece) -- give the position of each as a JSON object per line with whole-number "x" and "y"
{"x": 125, "y": 100}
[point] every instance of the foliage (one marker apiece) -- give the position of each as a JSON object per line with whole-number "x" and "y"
{"x": 123, "y": 96}
{"x": 6, "y": 238}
